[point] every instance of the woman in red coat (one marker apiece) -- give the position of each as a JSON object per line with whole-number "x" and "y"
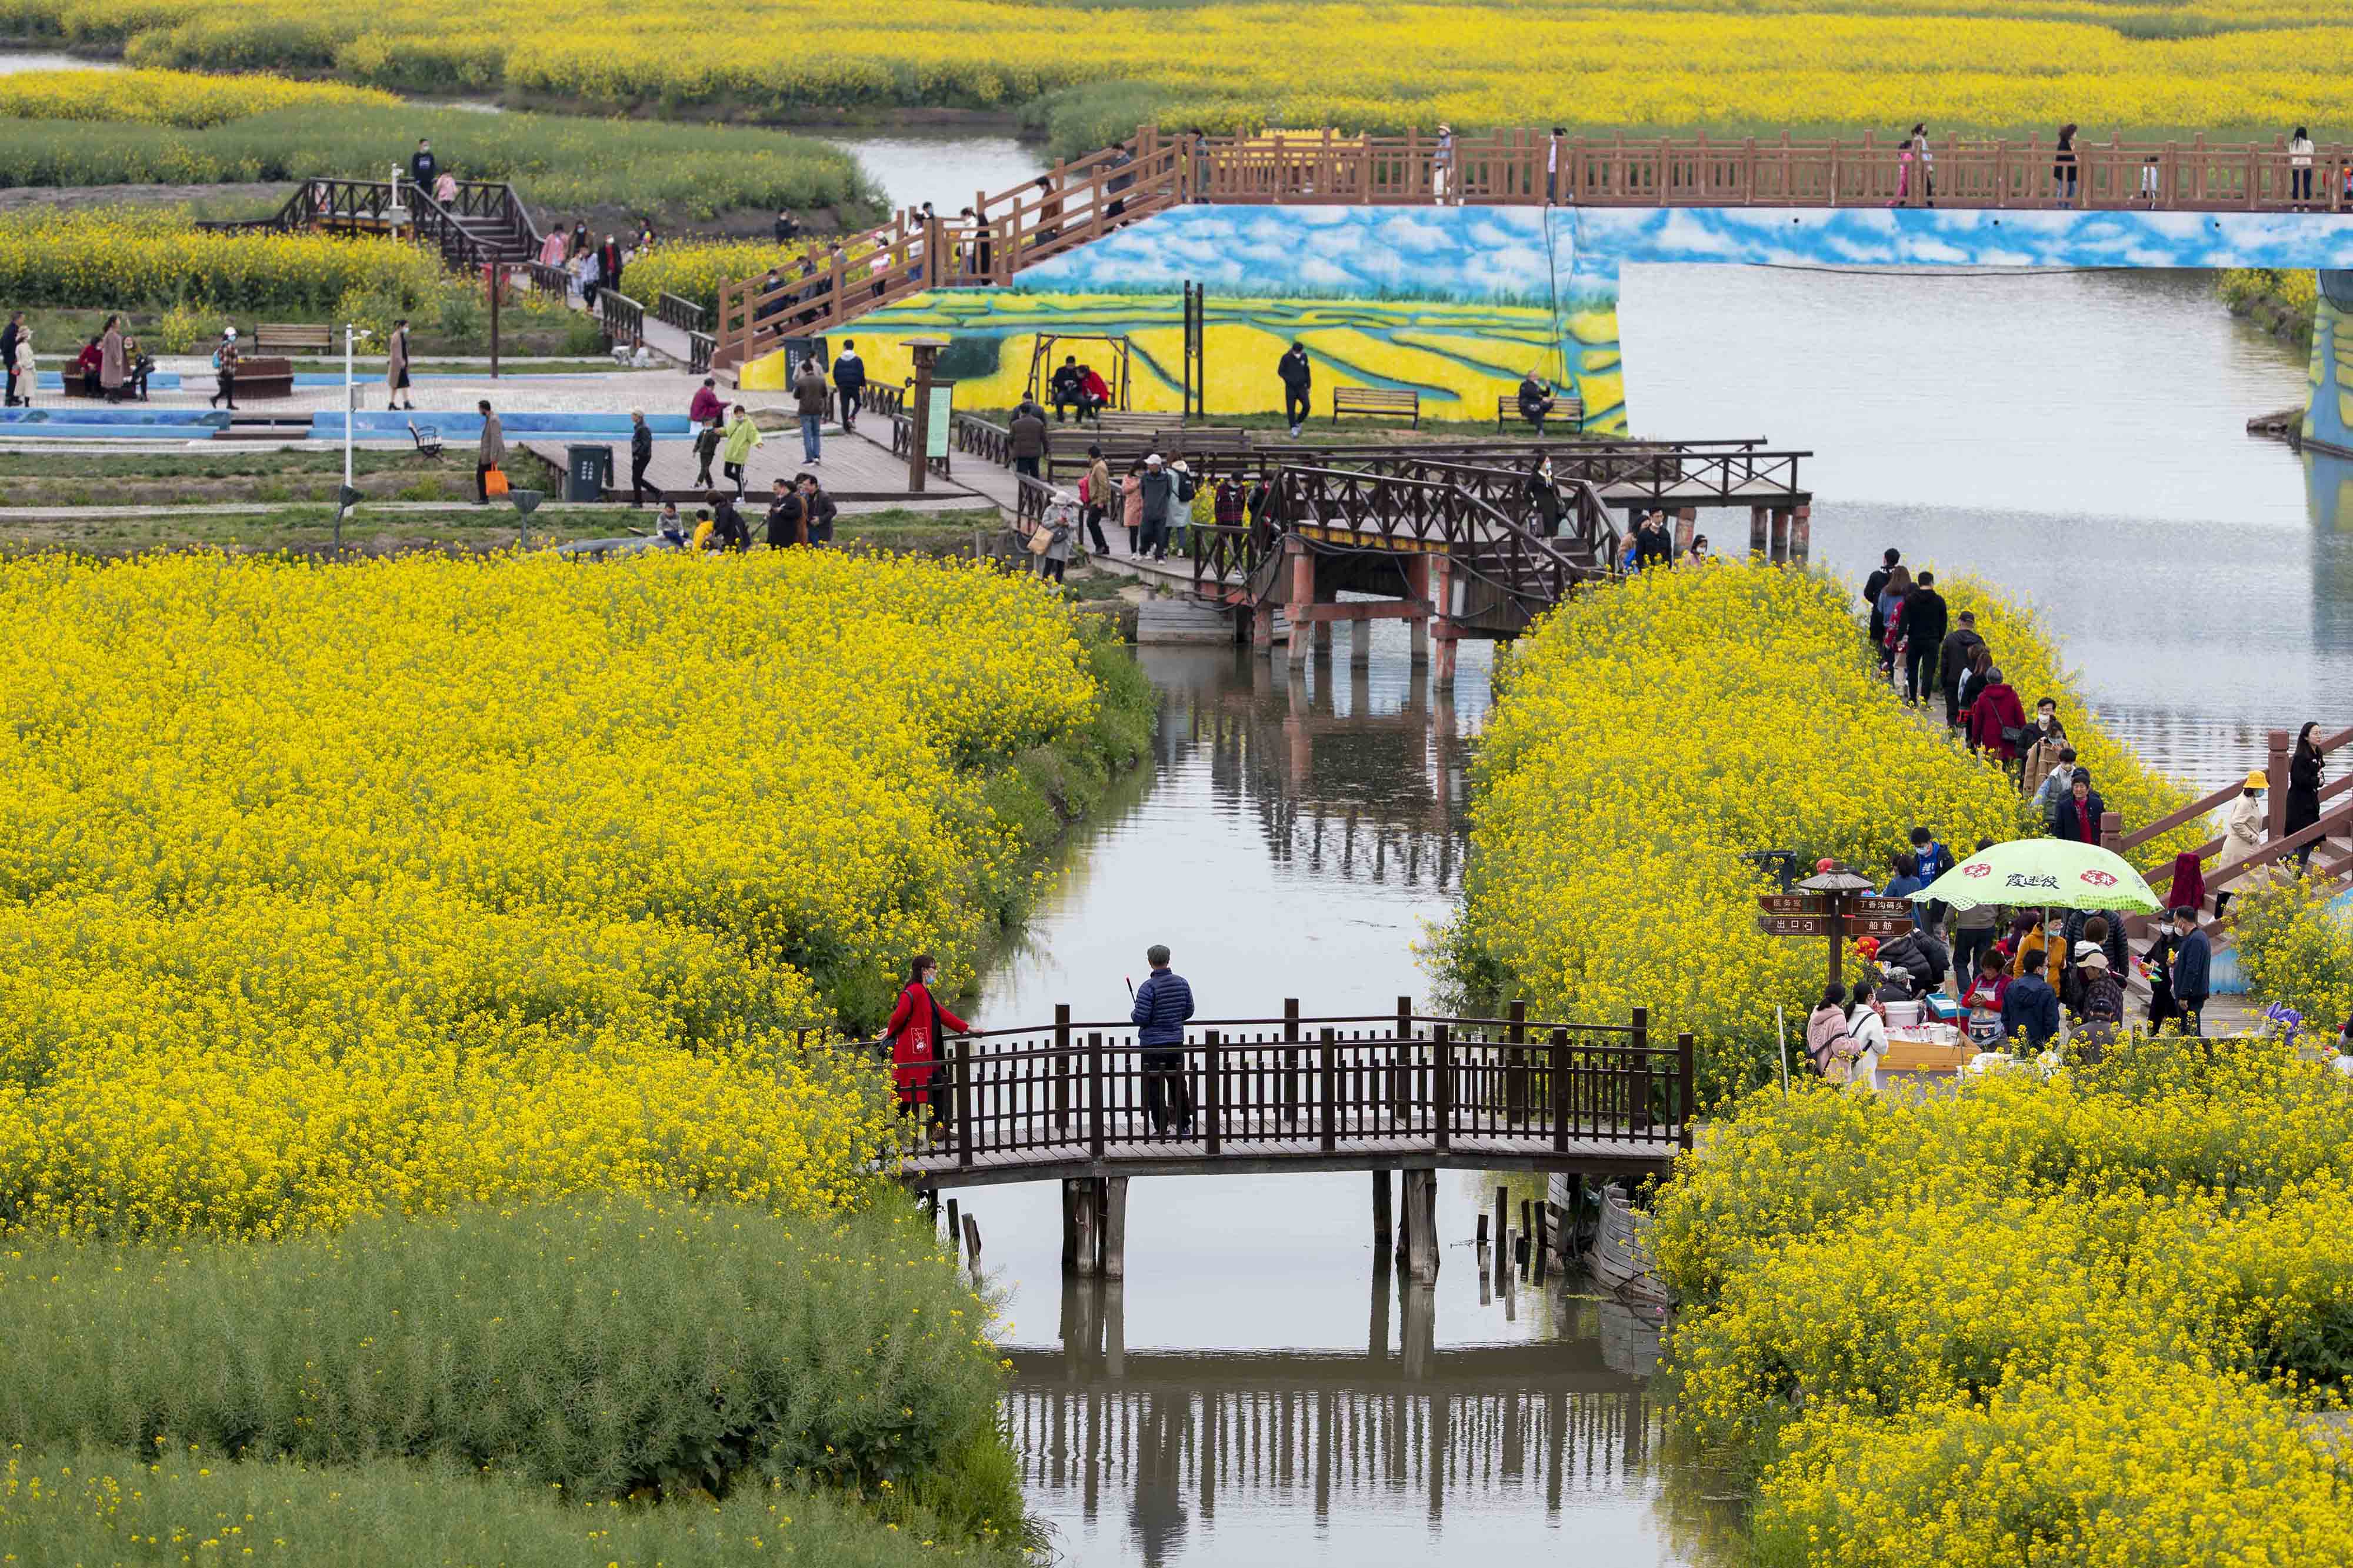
{"x": 914, "y": 1032}
{"x": 1995, "y": 709}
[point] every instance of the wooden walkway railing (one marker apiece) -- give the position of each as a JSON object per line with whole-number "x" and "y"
{"x": 1319, "y": 1092}
{"x": 2336, "y": 821}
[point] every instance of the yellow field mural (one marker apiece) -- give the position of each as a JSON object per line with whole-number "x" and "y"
{"x": 1460, "y": 357}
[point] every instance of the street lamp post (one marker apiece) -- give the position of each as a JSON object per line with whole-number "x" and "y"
{"x": 348, "y": 496}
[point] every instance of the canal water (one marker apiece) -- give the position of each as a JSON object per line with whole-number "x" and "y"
{"x": 1255, "y": 1392}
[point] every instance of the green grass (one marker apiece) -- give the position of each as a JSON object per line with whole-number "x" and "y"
{"x": 674, "y": 171}
{"x": 462, "y": 327}
{"x": 93, "y": 1506}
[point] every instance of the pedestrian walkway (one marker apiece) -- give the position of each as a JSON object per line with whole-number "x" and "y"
{"x": 850, "y": 466}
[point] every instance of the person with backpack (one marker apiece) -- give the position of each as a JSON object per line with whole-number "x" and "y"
{"x": 849, "y": 384}
{"x": 1961, "y": 647}
{"x": 1875, "y": 585}
{"x": 1829, "y": 1042}
{"x": 1095, "y": 491}
{"x": 1177, "y": 530}
{"x": 917, "y": 1029}
{"x": 1156, "y": 489}
{"x": 706, "y": 451}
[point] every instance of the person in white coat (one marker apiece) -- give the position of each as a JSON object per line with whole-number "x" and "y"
{"x": 1869, "y": 1032}
{"x": 2243, "y": 821}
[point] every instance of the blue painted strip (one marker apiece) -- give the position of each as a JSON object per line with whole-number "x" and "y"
{"x": 159, "y": 381}
{"x": 132, "y": 420}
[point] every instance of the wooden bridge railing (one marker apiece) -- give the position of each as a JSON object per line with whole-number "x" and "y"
{"x": 1266, "y": 1088}
{"x": 624, "y": 318}
{"x": 2336, "y": 820}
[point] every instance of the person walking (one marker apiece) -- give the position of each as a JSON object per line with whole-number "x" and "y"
{"x": 1829, "y": 1042}
{"x": 2030, "y": 1007}
{"x": 1027, "y": 434}
{"x": 2188, "y": 889}
{"x": 2243, "y": 821}
{"x": 423, "y": 165}
{"x": 917, "y": 1029}
{"x": 2304, "y": 776}
{"x": 2044, "y": 741}
{"x": 1163, "y": 1003}
{"x": 1996, "y": 720}
{"x": 2078, "y": 817}
{"x": 849, "y": 384}
{"x": 609, "y": 261}
{"x": 1060, "y": 522}
{"x": 109, "y": 359}
{"x": 706, "y": 405}
{"x": 395, "y": 368}
{"x": 1923, "y": 631}
{"x": 21, "y": 364}
{"x": 1177, "y": 525}
{"x": 1131, "y": 506}
{"x": 743, "y": 437}
{"x": 641, "y": 457}
{"x": 706, "y": 449}
{"x": 817, "y": 511}
{"x": 2052, "y": 791}
{"x": 2193, "y": 960}
{"x": 1867, "y": 1038}
{"x": 1961, "y": 647}
{"x": 225, "y": 371}
{"x": 1097, "y": 497}
{"x": 1873, "y": 586}
{"x": 9, "y": 336}
{"x": 489, "y": 453}
{"x": 1157, "y": 489}
{"x": 1892, "y": 594}
{"x": 784, "y": 522}
{"x": 581, "y": 244}
{"x": 2299, "y": 169}
{"x": 552, "y": 251}
{"x": 810, "y": 400}
{"x": 2063, "y": 166}
{"x": 1298, "y": 379}
{"x": 1973, "y": 932}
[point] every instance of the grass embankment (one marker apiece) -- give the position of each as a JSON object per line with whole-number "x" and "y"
{"x": 1092, "y": 73}
{"x": 2101, "y": 1318}
{"x": 2279, "y": 301}
{"x": 1645, "y": 738}
{"x": 103, "y": 128}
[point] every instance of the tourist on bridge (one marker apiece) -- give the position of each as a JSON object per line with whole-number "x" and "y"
{"x": 743, "y": 437}
{"x": 2193, "y": 958}
{"x": 809, "y": 398}
{"x": 2299, "y": 169}
{"x": 2243, "y": 821}
{"x": 1441, "y": 165}
{"x": 1535, "y": 401}
{"x": 2078, "y": 817}
{"x": 445, "y": 189}
{"x": 609, "y": 260}
{"x": 1177, "y": 530}
{"x": 1924, "y": 629}
{"x": 423, "y": 165}
{"x": 918, "y": 1025}
{"x": 1830, "y": 1043}
{"x": 2188, "y": 886}
{"x": 817, "y": 511}
{"x": 785, "y": 524}
{"x": 1874, "y": 585}
{"x": 581, "y": 243}
{"x": 1069, "y": 388}
{"x": 1157, "y": 490}
{"x": 2304, "y": 774}
{"x": 1297, "y": 379}
{"x": 552, "y": 250}
{"x": 10, "y": 335}
{"x": 1095, "y": 493}
{"x": 642, "y": 456}
{"x": 1060, "y": 522}
{"x": 1131, "y": 506}
{"x": 2063, "y": 166}
{"x": 2049, "y": 795}
{"x": 1961, "y": 647}
{"x": 1163, "y": 1003}
{"x": 1997, "y": 718}
{"x": 489, "y": 453}
{"x": 1544, "y": 491}
{"x": 1026, "y": 435}
{"x": 2045, "y": 742}
{"x": 849, "y": 384}
{"x": 396, "y": 367}
{"x": 1552, "y": 150}
{"x": 2030, "y": 1007}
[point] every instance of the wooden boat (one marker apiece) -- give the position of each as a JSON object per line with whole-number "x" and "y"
{"x": 1620, "y": 1257}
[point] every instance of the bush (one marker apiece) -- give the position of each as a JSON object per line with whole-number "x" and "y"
{"x": 93, "y": 1506}
{"x": 2295, "y": 950}
{"x": 602, "y": 1348}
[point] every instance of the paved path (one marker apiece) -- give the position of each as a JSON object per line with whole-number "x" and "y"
{"x": 851, "y": 467}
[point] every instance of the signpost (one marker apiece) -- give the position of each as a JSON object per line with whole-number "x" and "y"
{"x": 1837, "y": 904}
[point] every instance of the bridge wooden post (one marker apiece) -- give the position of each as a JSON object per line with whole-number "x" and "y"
{"x": 1301, "y": 599}
{"x": 1558, "y": 1055}
{"x": 1638, "y": 1075}
{"x": 1441, "y": 1046}
{"x": 1360, "y": 644}
{"x": 1398, "y": 1063}
{"x": 1687, "y": 1097}
{"x": 1210, "y": 1072}
{"x": 1779, "y": 548}
{"x": 1802, "y": 532}
{"x": 1291, "y": 1061}
{"x": 1421, "y": 1226}
{"x": 1516, "y": 1067}
{"x": 1330, "y": 1073}
{"x": 1758, "y": 537}
{"x": 960, "y": 1057}
{"x": 1114, "y": 1226}
{"x": 2275, "y": 773}
{"x": 2112, "y": 831}
{"x": 1083, "y": 1226}
{"x": 1094, "y": 1095}
{"x": 1062, "y": 1068}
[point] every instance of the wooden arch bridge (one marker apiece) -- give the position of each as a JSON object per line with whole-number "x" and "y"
{"x": 1088, "y": 1105}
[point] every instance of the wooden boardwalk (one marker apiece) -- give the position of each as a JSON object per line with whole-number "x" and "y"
{"x": 852, "y": 468}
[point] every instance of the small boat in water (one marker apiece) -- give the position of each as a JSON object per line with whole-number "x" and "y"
{"x": 1619, "y": 1256}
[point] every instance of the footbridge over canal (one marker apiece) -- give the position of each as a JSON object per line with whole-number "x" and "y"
{"x": 1087, "y": 1105}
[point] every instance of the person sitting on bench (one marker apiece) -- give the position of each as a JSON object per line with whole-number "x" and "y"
{"x": 1069, "y": 388}
{"x": 1098, "y": 395}
{"x": 1535, "y": 401}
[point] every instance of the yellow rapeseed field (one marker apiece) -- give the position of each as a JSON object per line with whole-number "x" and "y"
{"x": 328, "y": 890}
{"x": 169, "y": 98}
{"x": 1960, "y": 63}
{"x": 110, "y": 258}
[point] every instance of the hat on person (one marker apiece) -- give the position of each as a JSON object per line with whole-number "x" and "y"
{"x": 228, "y": 332}
{"x": 1151, "y": 460}
{"x": 2257, "y": 780}
{"x": 2095, "y": 958}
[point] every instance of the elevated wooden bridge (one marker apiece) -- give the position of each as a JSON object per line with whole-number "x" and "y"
{"x": 1083, "y": 199}
{"x": 1075, "y": 1102}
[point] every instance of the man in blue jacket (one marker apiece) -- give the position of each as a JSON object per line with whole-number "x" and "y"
{"x": 1162, "y": 1005}
{"x": 2030, "y": 1008}
{"x": 2193, "y": 959}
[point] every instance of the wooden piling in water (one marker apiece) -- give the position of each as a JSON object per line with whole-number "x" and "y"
{"x": 1381, "y": 1216}
{"x": 1115, "y": 1228}
{"x": 955, "y": 1232}
{"x": 972, "y": 1242}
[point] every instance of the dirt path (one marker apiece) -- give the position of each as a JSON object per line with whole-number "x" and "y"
{"x": 16, "y": 198}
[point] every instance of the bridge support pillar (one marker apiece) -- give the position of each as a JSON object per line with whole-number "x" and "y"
{"x": 1801, "y": 533}
{"x": 1421, "y": 1226}
{"x": 1442, "y": 668}
{"x": 1759, "y": 526}
{"x": 1114, "y": 1230}
{"x": 1417, "y": 587}
{"x": 1324, "y": 635}
{"x": 1381, "y": 1220}
{"x": 1686, "y": 525}
{"x": 1262, "y": 630}
{"x": 1301, "y": 598}
{"x": 1082, "y": 1226}
{"x": 1360, "y": 645}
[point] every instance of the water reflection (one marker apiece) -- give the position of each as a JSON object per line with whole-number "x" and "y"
{"x": 943, "y": 168}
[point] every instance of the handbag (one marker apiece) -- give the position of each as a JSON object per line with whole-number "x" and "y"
{"x": 494, "y": 483}
{"x": 1041, "y": 539}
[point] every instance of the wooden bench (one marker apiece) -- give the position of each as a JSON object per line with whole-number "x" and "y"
{"x": 1375, "y": 400}
{"x": 1201, "y": 443}
{"x": 294, "y": 337}
{"x": 1111, "y": 421}
{"x": 265, "y": 377}
{"x": 1567, "y": 410}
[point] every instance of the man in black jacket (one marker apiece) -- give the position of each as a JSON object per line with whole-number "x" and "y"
{"x": 1297, "y": 377}
{"x": 817, "y": 511}
{"x": 1069, "y": 388}
{"x": 784, "y": 517}
{"x": 849, "y": 382}
{"x": 727, "y": 524}
{"x": 1923, "y": 617}
{"x": 641, "y": 453}
{"x": 8, "y": 338}
{"x": 423, "y": 166}
{"x": 1535, "y": 401}
{"x": 1959, "y": 651}
{"x": 2078, "y": 816}
{"x": 1870, "y": 588}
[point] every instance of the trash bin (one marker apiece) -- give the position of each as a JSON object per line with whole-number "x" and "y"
{"x": 588, "y": 470}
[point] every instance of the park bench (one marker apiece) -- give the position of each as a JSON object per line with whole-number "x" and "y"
{"x": 292, "y": 337}
{"x": 1376, "y": 399}
{"x": 1120, "y": 420}
{"x": 1567, "y": 410}
{"x": 265, "y": 377}
{"x": 429, "y": 440}
{"x": 1202, "y": 443}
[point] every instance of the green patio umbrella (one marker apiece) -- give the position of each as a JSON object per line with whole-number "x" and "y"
{"x": 2042, "y": 873}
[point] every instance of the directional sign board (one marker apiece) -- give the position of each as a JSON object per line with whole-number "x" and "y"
{"x": 1794, "y": 925}
{"x": 1791, "y": 903}
{"x": 1877, "y": 925}
{"x": 1868, "y": 904}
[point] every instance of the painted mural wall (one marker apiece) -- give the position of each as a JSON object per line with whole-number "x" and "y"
{"x": 1457, "y": 303}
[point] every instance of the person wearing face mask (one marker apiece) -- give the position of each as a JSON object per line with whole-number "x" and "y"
{"x": 2043, "y": 740}
{"x": 1546, "y": 494}
{"x": 2242, "y": 834}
